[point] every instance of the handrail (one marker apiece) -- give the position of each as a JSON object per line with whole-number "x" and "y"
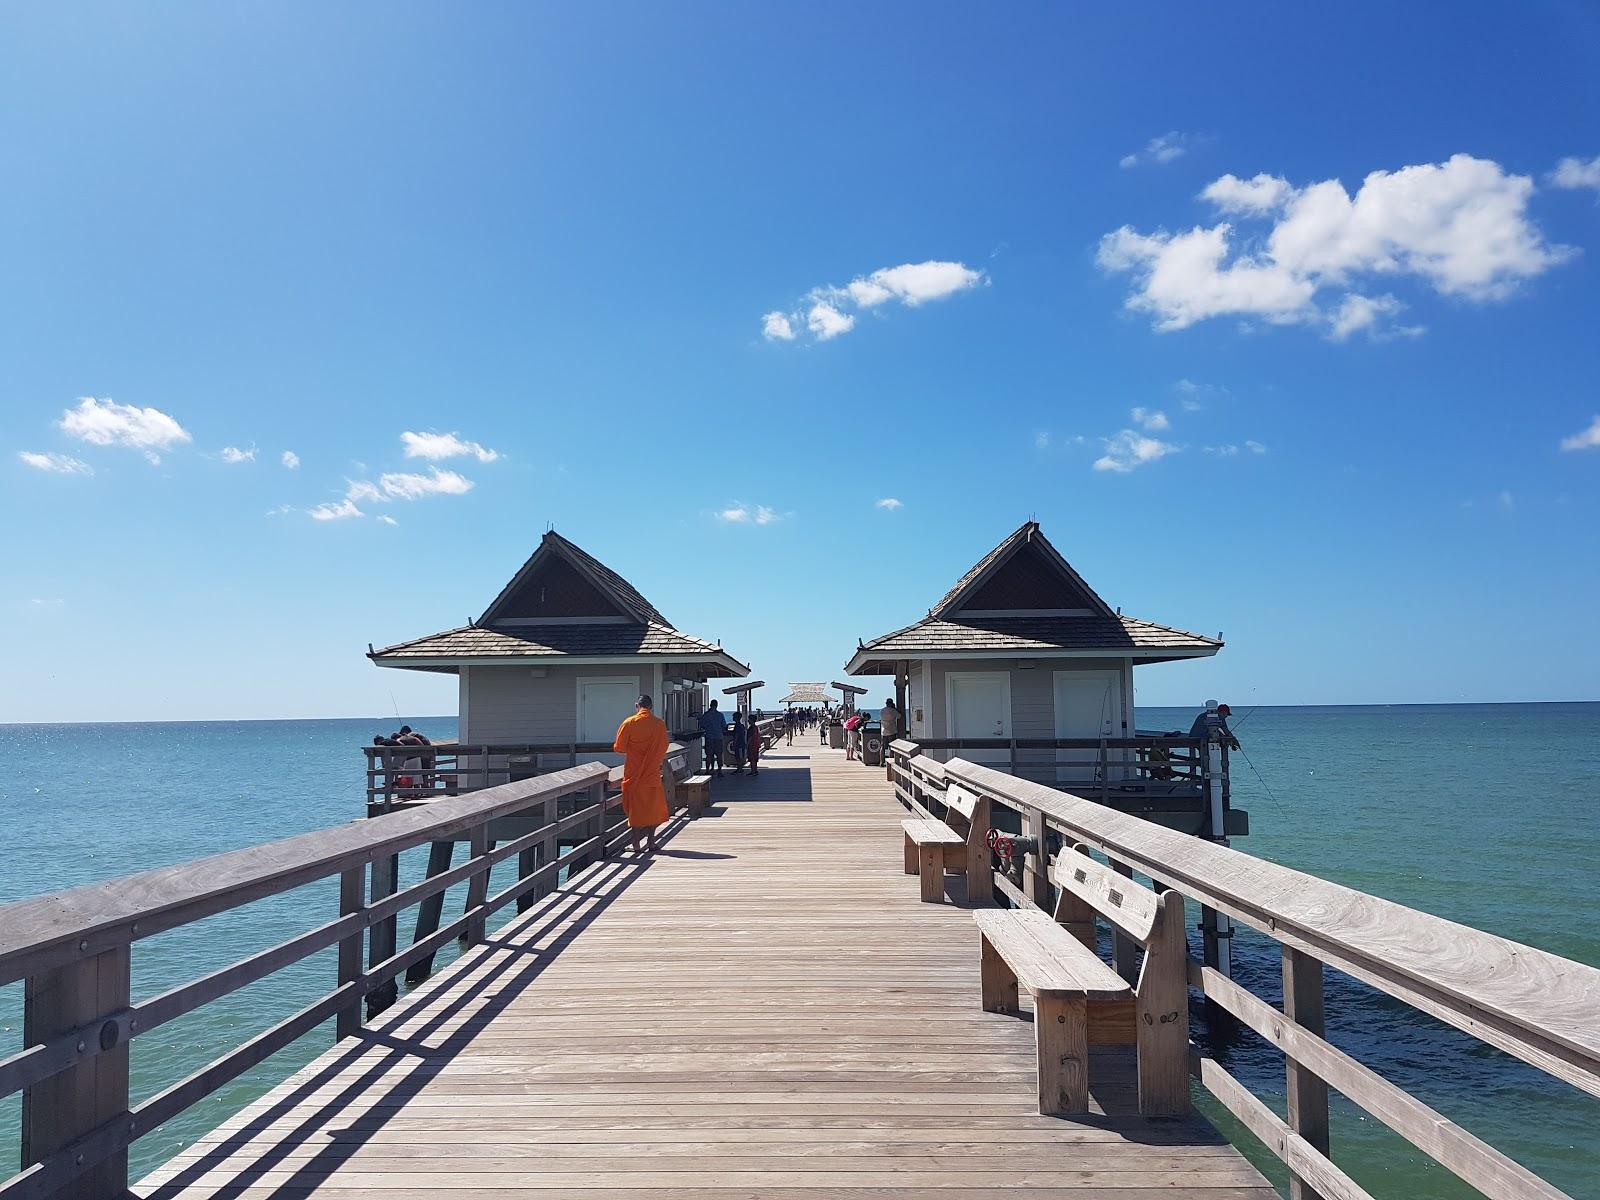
{"x": 1537, "y": 1006}
{"x": 74, "y": 950}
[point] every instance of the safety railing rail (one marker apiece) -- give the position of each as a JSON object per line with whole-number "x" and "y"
{"x": 1534, "y": 1005}
{"x": 407, "y": 774}
{"x": 74, "y": 950}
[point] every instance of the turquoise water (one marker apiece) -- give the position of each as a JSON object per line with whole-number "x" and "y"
{"x": 1484, "y": 814}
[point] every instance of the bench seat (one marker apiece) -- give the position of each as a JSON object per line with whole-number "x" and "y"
{"x": 925, "y": 845}
{"x": 696, "y": 794}
{"x": 1029, "y": 949}
{"x": 1046, "y": 959}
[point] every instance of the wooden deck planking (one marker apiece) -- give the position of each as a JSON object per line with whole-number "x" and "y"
{"x": 764, "y": 1008}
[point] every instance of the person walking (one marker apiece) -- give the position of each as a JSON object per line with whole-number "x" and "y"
{"x": 715, "y": 727}
{"x": 642, "y": 740}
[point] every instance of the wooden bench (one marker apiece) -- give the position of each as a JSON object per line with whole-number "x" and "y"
{"x": 958, "y": 844}
{"x": 926, "y": 843}
{"x": 691, "y": 792}
{"x": 1079, "y": 1000}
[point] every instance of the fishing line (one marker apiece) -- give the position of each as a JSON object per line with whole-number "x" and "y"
{"x": 1260, "y": 780}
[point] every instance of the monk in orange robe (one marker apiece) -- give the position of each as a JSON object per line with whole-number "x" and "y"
{"x": 642, "y": 738}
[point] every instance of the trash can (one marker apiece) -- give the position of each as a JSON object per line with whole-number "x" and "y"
{"x": 836, "y": 734}
{"x": 872, "y": 745}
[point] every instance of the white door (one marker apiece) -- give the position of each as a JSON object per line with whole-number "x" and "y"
{"x": 978, "y": 705}
{"x": 1088, "y": 705}
{"x": 603, "y": 704}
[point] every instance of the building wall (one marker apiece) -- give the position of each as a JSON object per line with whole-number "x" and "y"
{"x": 509, "y": 705}
{"x": 1033, "y": 712}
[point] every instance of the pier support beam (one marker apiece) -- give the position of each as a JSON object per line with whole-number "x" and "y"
{"x": 430, "y": 910}
{"x": 381, "y": 942}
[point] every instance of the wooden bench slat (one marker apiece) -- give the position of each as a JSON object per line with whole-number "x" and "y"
{"x": 1047, "y": 959}
{"x": 1130, "y": 906}
{"x": 931, "y": 833}
{"x": 963, "y": 801}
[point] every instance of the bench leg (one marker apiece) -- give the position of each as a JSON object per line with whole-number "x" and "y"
{"x": 930, "y": 861}
{"x": 1061, "y": 1031}
{"x": 999, "y": 981}
{"x": 911, "y": 856}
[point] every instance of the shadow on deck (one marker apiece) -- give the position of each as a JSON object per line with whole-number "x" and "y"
{"x": 762, "y": 1008}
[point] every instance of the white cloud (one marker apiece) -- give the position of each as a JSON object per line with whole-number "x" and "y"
{"x": 1459, "y": 227}
{"x": 745, "y": 514}
{"x": 914, "y": 283}
{"x": 1162, "y": 149}
{"x": 890, "y": 503}
{"x": 1507, "y": 501}
{"x": 1363, "y": 314}
{"x": 1584, "y": 439}
{"x": 1254, "y": 447}
{"x": 342, "y": 511}
{"x": 1576, "y": 173}
{"x": 232, "y": 454}
{"x": 444, "y": 445}
{"x": 402, "y": 486}
{"x": 107, "y": 423}
{"x": 1130, "y": 449}
{"x": 827, "y": 322}
{"x": 1182, "y": 278}
{"x": 364, "y": 490}
{"x": 386, "y": 519}
{"x": 1227, "y": 451}
{"x": 826, "y": 311}
{"x": 290, "y": 459}
{"x": 60, "y": 464}
{"x": 1253, "y": 197}
{"x": 1042, "y": 441}
{"x": 1150, "y": 419}
{"x": 1192, "y": 396}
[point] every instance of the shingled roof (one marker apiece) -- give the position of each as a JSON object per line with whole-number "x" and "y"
{"x": 562, "y": 603}
{"x": 1023, "y": 599}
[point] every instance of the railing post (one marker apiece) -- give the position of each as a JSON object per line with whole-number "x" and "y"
{"x": 351, "y": 881}
{"x": 1307, "y": 1093}
{"x": 1036, "y": 867}
{"x": 597, "y": 795}
{"x": 79, "y": 1099}
{"x": 477, "y": 885}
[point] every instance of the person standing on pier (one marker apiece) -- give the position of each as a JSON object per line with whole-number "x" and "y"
{"x": 755, "y": 745}
{"x": 715, "y": 727}
{"x": 643, "y": 740}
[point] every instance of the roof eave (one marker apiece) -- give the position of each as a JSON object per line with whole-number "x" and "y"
{"x": 732, "y": 667}
{"x": 868, "y": 661}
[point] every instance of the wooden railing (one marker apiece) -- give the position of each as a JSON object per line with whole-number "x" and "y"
{"x": 1149, "y": 762}
{"x": 398, "y": 775}
{"x": 74, "y": 950}
{"x": 1536, "y": 1006}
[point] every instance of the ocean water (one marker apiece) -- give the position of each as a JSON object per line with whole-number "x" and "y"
{"x": 1486, "y": 814}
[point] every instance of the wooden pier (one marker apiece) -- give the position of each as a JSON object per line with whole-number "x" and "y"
{"x": 762, "y": 1008}
{"x": 771, "y": 1006}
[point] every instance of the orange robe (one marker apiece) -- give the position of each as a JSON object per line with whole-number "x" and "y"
{"x": 643, "y": 739}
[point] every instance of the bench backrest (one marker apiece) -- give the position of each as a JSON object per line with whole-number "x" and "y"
{"x": 1131, "y": 907}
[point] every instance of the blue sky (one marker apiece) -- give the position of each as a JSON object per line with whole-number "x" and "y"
{"x": 557, "y": 232}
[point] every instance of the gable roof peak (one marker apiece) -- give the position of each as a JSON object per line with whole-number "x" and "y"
{"x": 1029, "y": 534}
{"x": 613, "y": 586}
